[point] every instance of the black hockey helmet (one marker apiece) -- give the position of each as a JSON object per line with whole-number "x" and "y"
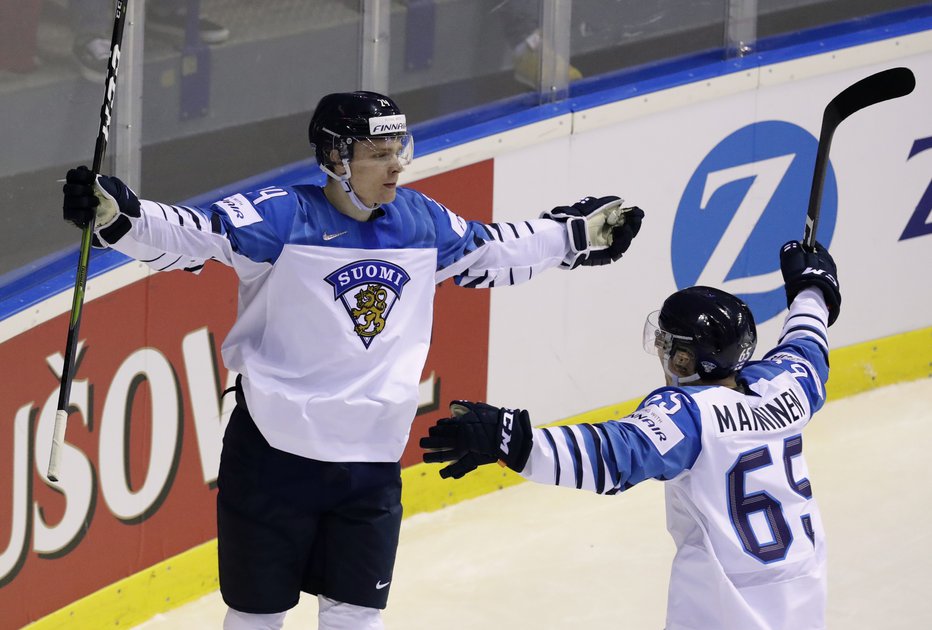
{"x": 716, "y": 328}
{"x": 345, "y": 117}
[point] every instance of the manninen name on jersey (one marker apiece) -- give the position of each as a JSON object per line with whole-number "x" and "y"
{"x": 368, "y": 290}
{"x": 781, "y": 411}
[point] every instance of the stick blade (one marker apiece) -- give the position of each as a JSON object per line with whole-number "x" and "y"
{"x": 879, "y": 87}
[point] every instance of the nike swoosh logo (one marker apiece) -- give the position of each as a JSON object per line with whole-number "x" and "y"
{"x": 379, "y": 585}
{"x": 329, "y": 237}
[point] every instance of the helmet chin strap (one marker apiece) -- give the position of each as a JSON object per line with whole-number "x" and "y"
{"x": 348, "y": 188}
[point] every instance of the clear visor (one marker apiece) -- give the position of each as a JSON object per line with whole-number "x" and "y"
{"x": 656, "y": 340}
{"x": 378, "y": 151}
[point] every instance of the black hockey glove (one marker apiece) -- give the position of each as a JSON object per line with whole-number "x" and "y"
{"x": 600, "y": 229}
{"x": 109, "y": 202}
{"x": 478, "y": 434}
{"x": 803, "y": 269}
{"x": 619, "y": 239}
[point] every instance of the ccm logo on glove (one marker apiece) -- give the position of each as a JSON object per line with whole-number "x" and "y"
{"x": 508, "y": 419}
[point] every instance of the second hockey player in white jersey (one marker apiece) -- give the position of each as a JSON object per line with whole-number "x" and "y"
{"x": 336, "y": 292}
{"x": 725, "y": 435}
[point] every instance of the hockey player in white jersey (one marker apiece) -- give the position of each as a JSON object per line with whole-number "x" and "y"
{"x": 335, "y": 307}
{"x": 725, "y": 434}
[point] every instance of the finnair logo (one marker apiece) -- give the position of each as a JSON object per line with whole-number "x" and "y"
{"x": 388, "y": 124}
{"x": 658, "y": 427}
{"x": 239, "y": 209}
{"x": 746, "y": 198}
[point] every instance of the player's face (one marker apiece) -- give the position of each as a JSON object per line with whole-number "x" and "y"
{"x": 677, "y": 358}
{"x": 681, "y": 363}
{"x": 375, "y": 168}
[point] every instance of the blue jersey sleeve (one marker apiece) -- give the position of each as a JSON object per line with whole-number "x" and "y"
{"x": 484, "y": 255}
{"x": 661, "y": 439}
{"x": 802, "y": 349}
{"x": 257, "y": 224}
{"x": 254, "y": 225}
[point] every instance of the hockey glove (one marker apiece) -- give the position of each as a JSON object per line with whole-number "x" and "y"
{"x": 618, "y": 237}
{"x": 106, "y": 200}
{"x": 600, "y": 229}
{"x": 803, "y": 269}
{"x": 478, "y": 434}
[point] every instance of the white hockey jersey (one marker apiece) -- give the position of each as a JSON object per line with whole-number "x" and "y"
{"x": 335, "y": 315}
{"x": 750, "y": 544}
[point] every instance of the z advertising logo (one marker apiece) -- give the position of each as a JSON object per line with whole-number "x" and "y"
{"x": 919, "y": 224}
{"x": 747, "y": 197}
{"x": 369, "y": 290}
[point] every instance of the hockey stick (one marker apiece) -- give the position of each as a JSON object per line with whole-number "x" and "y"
{"x": 876, "y": 88}
{"x": 87, "y": 232}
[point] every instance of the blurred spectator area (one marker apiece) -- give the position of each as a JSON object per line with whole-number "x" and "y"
{"x": 214, "y": 115}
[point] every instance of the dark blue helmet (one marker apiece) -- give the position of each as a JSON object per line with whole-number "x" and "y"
{"x": 715, "y": 327}
{"x": 345, "y": 117}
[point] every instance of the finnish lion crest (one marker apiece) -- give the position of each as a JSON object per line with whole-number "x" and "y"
{"x": 368, "y": 289}
{"x": 372, "y": 303}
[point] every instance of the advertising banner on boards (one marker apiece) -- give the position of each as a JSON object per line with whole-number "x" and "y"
{"x": 724, "y": 182}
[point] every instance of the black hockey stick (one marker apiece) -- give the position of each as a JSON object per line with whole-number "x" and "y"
{"x": 87, "y": 232}
{"x": 876, "y": 88}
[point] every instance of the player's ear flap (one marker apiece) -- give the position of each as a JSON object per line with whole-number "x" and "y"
{"x": 336, "y": 161}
